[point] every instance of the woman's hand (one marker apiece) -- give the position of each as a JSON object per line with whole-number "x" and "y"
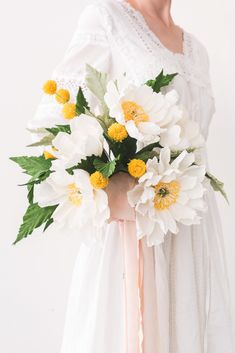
{"x": 117, "y": 190}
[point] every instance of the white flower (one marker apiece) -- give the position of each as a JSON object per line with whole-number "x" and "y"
{"x": 168, "y": 193}
{"x": 79, "y": 204}
{"x": 86, "y": 139}
{"x": 145, "y": 113}
{"x": 190, "y": 134}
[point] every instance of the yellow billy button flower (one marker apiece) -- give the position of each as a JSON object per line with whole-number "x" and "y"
{"x": 50, "y": 87}
{"x": 117, "y": 132}
{"x": 136, "y": 168}
{"x": 98, "y": 181}
{"x": 62, "y": 96}
{"x": 69, "y": 111}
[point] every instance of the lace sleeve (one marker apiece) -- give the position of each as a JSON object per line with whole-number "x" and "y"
{"x": 89, "y": 45}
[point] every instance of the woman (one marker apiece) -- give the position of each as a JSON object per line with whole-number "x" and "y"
{"x": 127, "y": 297}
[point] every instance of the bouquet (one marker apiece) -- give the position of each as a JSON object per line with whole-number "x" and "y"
{"x": 139, "y": 130}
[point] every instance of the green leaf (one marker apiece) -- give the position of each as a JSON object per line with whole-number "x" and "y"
{"x": 30, "y": 193}
{"x": 97, "y": 82}
{"x": 176, "y": 153}
{"x": 85, "y": 164}
{"x": 89, "y": 113}
{"x": 38, "y": 178}
{"x": 34, "y": 217}
{"x": 33, "y": 165}
{"x": 48, "y": 223}
{"x": 39, "y": 131}
{"x": 147, "y": 155}
{"x": 81, "y": 103}
{"x": 107, "y": 169}
{"x": 59, "y": 128}
{"x": 45, "y": 141}
{"x": 148, "y": 148}
{"x": 217, "y": 185}
{"x": 161, "y": 81}
{"x": 126, "y": 148}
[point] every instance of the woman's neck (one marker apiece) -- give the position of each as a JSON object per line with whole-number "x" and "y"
{"x": 155, "y": 8}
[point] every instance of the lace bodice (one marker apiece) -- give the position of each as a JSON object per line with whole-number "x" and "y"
{"x": 114, "y": 37}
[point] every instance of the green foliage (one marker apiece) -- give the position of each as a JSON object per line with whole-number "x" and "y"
{"x": 37, "y": 167}
{"x": 160, "y": 81}
{"x": 45, "y": 141}
{"x": 85, "y": 164}
{"x": 125, "y": 149}
{"x": 81, "y": 103}
{"x": 36, "y": 179}
{"x": 106, "y": 168}
{"x": 97, "y": 82}
{"x": 59, "y": 128}
{"x": 48, "y": 223}
{"x": 33, "y": 166}
{"x": 175, "y": 154}
{"x": 148, "y": 148}
{"x": 34, "y": 217}
{"x": 217, "y": 185}
{"x": 38, "y": 131}
{"x": 30, "y": 188}
{"x": 147, "y": 155}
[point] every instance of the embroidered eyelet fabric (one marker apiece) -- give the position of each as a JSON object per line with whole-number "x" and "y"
{"x": 184, "y": 288}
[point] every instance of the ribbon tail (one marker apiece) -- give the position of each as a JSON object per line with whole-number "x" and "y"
{"x": 132, "y": 284}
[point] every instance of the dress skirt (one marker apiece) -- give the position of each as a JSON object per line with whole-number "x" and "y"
{"x": 127, "y": 297}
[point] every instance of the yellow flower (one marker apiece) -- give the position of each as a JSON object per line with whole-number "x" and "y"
{"x": 48, "y": 155}
{"x": 74, "y": 194}
{"x": 117, "y": 132}
{"x": 166, "y": 194}
{"x": 62, "y": 96}
{"x": 98, "y": 181}
{"x": 133, "y": 111}
{"x": 136, "y": 168}
{"x": 50, "y": 87}
{"x": 69, "y": 111}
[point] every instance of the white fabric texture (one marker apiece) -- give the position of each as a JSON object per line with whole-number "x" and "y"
{"x": 186, "y": 301}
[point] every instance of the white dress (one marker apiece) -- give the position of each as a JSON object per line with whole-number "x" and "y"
{"x": 184, "y": 292}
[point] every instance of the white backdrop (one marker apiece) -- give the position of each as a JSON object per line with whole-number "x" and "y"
{"x": 35, "y": 275}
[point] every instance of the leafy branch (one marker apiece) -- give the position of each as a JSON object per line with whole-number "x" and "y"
{"x": 82, "y": 105}
{"x": 217, "y": 185}
{"x": 33, "y": 218}
{"x": 161, "y": 81}
{"x": 97, "y": 83}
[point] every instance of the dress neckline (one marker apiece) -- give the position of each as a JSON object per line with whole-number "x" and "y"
{"x": 139, "y": 17}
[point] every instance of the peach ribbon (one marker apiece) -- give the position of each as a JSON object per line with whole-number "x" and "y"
{"x": 133, "y": 261}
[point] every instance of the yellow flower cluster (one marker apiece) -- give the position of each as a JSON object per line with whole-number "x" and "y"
{"x": 117, "y": 132}
{"x": 136, "y": 168}
{"x": 98, "y": 181}
{"x": 62, "y": 96}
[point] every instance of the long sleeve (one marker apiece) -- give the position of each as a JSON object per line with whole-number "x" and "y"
{"x": 89, "y": 45}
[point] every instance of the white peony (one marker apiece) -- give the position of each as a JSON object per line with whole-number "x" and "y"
{"x": 148, "y": 116}
{"x": 168, "y": 193}
{"x": 79, "y": 204}
{"x": 86, "y": 139}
